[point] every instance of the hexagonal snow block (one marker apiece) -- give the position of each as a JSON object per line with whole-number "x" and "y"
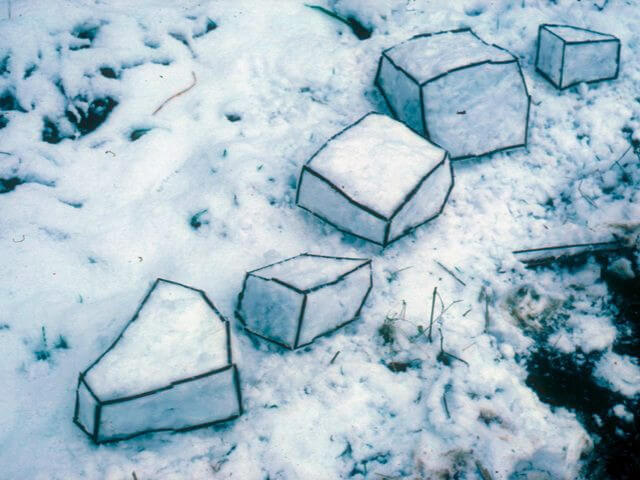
{"x": 294, "y": 301}
{"x": 170, "y": 369}
{"x": 376, "y": 179}
{"x": 461, "y": 93}
{"x": 570, "y": 55}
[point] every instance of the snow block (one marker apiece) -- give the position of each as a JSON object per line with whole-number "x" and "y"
{"x": 299, "y": 299}
{"x": 376, "y": 179}
{"x": 170, "y": 369}
{"x": 461, "y": 93}
{"x": 570, "y": 55}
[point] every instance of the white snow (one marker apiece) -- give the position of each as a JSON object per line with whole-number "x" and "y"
{"x": 100, "y": 217}
{"x": 621, "y": 372}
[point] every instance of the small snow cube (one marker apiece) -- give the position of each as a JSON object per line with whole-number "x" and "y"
{"x": 294, "y": 301}
{"x": 169, "y": 369}
{"x": 461, "y": 93}
{"x": 569, "y": 55}
{"x": 377, "y": 180}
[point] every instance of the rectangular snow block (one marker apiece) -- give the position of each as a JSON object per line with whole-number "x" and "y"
{"x": 170, "y": 369}
{"x": 456, "y": 90}
{"x": 570, "y": 55}
{"x": 299, "y": 299}
{"x": 377, "y": 180}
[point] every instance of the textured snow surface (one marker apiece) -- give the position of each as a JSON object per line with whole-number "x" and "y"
{"x": 208, "y": 192}
{"x": 621, "y": 372}
{"x": 362, "y": 160}
{"x": 426, "y": 57}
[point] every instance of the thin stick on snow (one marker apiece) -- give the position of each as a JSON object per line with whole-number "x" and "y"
{"x": 584, "y": 248}
{"x": 433, "y": 304}
{"x": 444, "y": 402}
{"x": 334, "y": 357}
{"x": 582, "y": 194}
{"x": 451, "y": 273}
{"x": 484, "y": 473}
{"x": 134, "y": 476}
{"x": 486, "y": 312}
{"x": 450, "y": 355}
{"x": 193, "y": 84}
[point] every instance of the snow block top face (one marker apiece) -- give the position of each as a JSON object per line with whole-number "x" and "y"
{"x": 308, "y": 272}
{"x": 570, "y": 34}
{"x": 376, "y": 162}
{"x": 175, "y": 335}
{"x": 428, "y": 56}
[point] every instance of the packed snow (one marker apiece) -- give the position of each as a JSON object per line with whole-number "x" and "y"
{"x": 460, "y": 92}
{"x": 346, "y": 183}
{"x": 99, "y": 196}
{"x": 296, "y": 300}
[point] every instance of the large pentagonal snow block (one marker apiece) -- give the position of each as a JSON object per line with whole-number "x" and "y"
{"x": 169, "y": 369}
{"x": 294, "y": 301}
{"x": 377, "y": 180}
{"x": 569, "y": 55}
{"x": 461, "y": 93}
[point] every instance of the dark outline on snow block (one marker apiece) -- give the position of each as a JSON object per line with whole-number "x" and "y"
{"x": 100, "y": 403}
{"x": 366, "y": 262}
{"x": 369, "y": 210}
{"x": 559, "y": 85}
{"x": 421, "y": 86}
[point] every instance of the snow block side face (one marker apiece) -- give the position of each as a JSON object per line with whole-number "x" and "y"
{"x": 404, "y": 102}
{"x": 271, "y": 310}
{"x": 189, "y": 404}
{"x": 570, "y": 55}
{"x": 318, "y": 196}
{"x": 590, "y": 62}
{"x": 477, "y": 110}
{"x": 550, "y": 54}
{"x": 426, "y": 203}
{"x": 333, "y": 306}
{"x": 85, "y": 410}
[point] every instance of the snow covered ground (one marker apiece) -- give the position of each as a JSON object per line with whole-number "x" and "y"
{"x": 203, "y": 190}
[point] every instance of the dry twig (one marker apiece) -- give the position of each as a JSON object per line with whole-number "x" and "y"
{"x": 181, "y": 92}
{"x": 451, "y": 273}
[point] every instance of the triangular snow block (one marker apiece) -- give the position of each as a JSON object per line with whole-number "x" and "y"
{"x": 461, "y": 93}
{"x": 569, "y": 55}
{"x": 294, "y": 301}
{"x": 377, "y": 180}
{"x": 170, "y": 369}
